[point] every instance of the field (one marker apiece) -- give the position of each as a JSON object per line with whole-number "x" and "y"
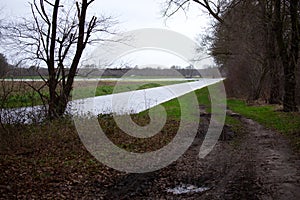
{"x": 22, "y": 93}
{"x": 48, "y": 160}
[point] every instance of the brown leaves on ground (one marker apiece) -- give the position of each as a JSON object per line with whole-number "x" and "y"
{"x": 48, "y": 161}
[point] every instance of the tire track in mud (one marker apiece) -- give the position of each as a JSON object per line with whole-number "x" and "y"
{"x": 277, "y": 166}
{"x": 261, "y": 166}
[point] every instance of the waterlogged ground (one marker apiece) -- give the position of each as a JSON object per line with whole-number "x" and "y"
{"x": 138, "y": 100}
{"x": 48, "y": 161}
{"x": 120, "y": 102}
{"x": 256, "y": 163}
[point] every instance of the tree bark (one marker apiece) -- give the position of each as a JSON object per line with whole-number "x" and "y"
{"x": 288, "y": 58}
{"x": 59, "y": 101}
{"x": 289, "y": 102}
{"x": 53, "y": 104}
{"x": 274, "y": 67}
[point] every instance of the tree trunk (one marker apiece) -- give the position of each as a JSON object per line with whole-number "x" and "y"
{"x": 289, "y": 102}
{"x": 274, "y": 67}
{"x": 288, "y": 62}
{"x": 58, "y": 102}
{"x": 52, "y": 82}
{"x": 275, "y": 96}
{"x": 257, "y": 89}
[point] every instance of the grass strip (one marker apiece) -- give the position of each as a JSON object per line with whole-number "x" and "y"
{"x": 269, "y": 116}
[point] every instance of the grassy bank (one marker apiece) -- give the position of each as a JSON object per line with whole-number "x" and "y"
{"x": 269, "y": 116}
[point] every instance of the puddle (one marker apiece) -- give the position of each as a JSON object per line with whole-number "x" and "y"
{"x": 185, "y": 189}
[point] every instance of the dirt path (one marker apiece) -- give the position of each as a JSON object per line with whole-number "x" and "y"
{"x": 277, "y": 167}
{"x": 260, "y": 166}
{"x": 256, "y": 164}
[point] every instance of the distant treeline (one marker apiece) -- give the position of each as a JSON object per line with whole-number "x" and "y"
{"x": 115, "y": 72}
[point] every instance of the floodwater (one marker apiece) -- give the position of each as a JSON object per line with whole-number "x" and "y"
{"x": 126, "y": 79}
{"x": 136, "y": 101}
{"x": 184, "y": 189}
{"x": 119, "y": 103}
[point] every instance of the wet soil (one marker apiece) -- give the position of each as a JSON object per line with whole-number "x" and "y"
{"x": 254, "y": 163}
{"x": 258, "y": 165}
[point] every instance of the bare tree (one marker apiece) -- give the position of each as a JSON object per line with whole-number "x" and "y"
{"x": 239, "y": 45}
{"x": 214, "y": 8}
{"x": 272, "y": 56}
{"x": 57, "y": 37}
{"x": 288, "y": 44}
{"x": 276, "y": 39}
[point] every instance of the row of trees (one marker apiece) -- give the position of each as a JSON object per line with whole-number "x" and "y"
{"x": 259, "y": 45}
{"x": 257, "y": 42}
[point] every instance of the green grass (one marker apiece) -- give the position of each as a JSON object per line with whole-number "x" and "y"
{"x": 21, "y": 100}
{"x": 173, "y": 107}
{"x": 285, "y": 123}
{"x": 235, "y": 124}
{"x": 203, "y": 96}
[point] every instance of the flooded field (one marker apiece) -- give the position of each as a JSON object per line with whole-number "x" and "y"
{"x": 120, "y": 103}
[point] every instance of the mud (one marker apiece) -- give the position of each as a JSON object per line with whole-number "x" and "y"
{"x": 261, "y": 165}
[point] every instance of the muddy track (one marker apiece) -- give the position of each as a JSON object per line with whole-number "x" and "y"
{"x": 261, "y": 166}
{"x": 277, "y": 167}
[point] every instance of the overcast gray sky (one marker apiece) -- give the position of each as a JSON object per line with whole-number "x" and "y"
{"x": 132, "y": 14}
